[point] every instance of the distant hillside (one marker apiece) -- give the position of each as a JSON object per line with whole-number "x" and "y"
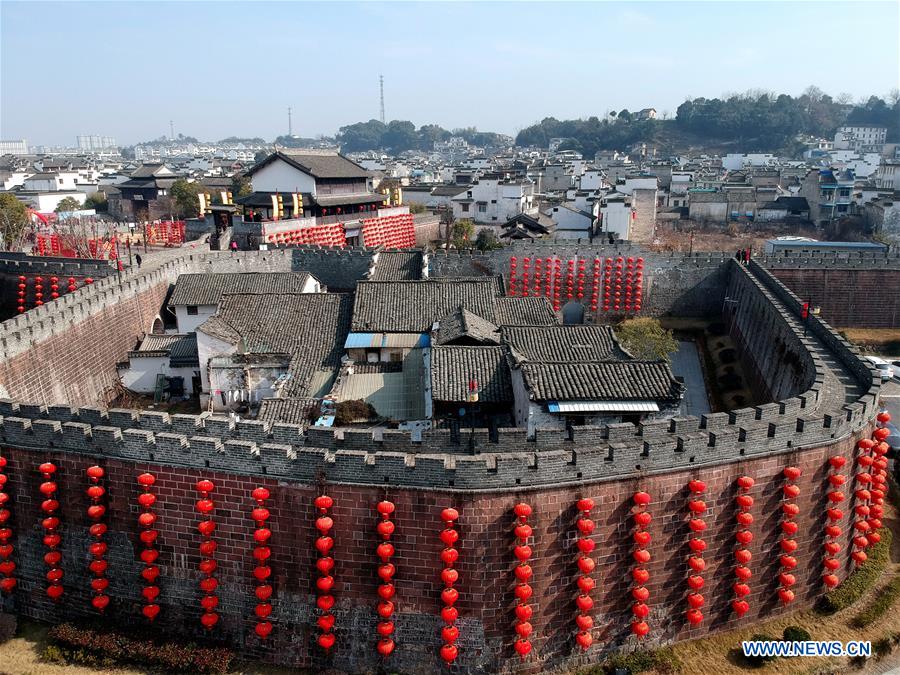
{"x": 749, "y": 122}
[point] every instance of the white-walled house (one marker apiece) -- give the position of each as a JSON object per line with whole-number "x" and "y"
{"x": 591, "y": 180}
{"x": 616, "y": 215}
{"x": 196, "y": 297}
{"x": 632, "y": 183}
{"x": 171, "y": 356}
{"x": 494, "y": 201}
{"x": 571, "y": 223}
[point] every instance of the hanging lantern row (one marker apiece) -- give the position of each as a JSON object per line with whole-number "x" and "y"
{"x": 325, "y": 567}
{"x": 640, "y": 575}
{"x": 386, "y": 572}
{"x": 523, "y": 573}
{"x": 449, "y": 576}
{"x": 52, "y": 539}
{"x": 789, "y": 527}
{"x": 584, "y": 622}
{"x": 96, "y": 512}
{"x": 38, "y": 297}
{"x": 7, "y": 566}
{"x": 261, "y": 554}
{"x": 879, "y": 477}
{"x": 863, "y": 495}
{"x": 833, "y": 516}
{"x": 742, "y": 555}
{"x": 696, "y": 563}
{"x": 149, "y": 553}
{"x": 207, "y": 565}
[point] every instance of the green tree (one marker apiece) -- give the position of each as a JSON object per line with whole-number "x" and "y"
{"x": 14, "y": 222}
{"x": 417, "y": 208}
{"x": 96, "y": 201}
{"x": 240, "y": 186}
{"x": 646, "y": 339}
{"x": 361, "y": 136}
{"x": 487, "y": 240}
{"x": 461, "y": 233}
{"x": 400, "y": 136}
{"x": 184, "y": 195}
{"x": 68, "y": 204}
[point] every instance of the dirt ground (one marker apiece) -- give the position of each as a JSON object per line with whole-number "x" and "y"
{"x": 694, "y": 236}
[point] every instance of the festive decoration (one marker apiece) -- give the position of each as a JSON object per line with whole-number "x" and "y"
{"x": 262, "y": 571}
{"x": 208, "y": 582}
{"x": 639, "y": 573}
{"x": 325, "y": 567}
{"x": 7, "y": 566}
{"x": 149, "y": 554}
{"x": 789, "y": 511}
{"x": 523, "y": 574}
{"x": 864, "y": 502}
{"x": 833, "y": 518}
{"x": 583, "y": 602}
{"x": 742, "y": 555}
{"x": 696, "y": 563}
{"x": 52, "y": 539}
{"x": 449, "y": 576}
{"x": 96, "y": 512}
{"x": 386, "y": 572}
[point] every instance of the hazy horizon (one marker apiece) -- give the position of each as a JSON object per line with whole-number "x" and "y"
{"x": 233, "y": 68}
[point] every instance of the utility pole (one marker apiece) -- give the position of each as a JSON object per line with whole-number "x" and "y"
{"x": 172, "y": 130}
{"x": 290, "y": 127}
{"x": 381, "y": 86}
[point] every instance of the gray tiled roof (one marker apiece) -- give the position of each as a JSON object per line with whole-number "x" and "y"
{"x": 414, "y": 306}
{"x": 605, "y": 381}
{"x": 530, "y": 311}
{"x": 463, "y": 324}
{"x": 316, "y": 164}
{"x": 310, "y": 327}
{"x": 398, "y": 266}
{"x": 182, "y": 349}
{"x": 208, "y": 288}
{"x": 287, "y": 410}
{"x": 564, "y": 343}
{"x": 452, "y": 367}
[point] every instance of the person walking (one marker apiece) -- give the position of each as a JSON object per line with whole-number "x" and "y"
{"x": 233, "y": 247}
{"x": 137, "y": 259}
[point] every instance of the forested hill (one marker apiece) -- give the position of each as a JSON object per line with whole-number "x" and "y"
{"x": 748, "y": 122}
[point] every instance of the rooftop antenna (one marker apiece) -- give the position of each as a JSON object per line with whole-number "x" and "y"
{"x": 290, "y": 128}
{"x": 172, "y": 130}
{"x": 381, "y": 86}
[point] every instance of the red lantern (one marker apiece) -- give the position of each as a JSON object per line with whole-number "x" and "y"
{"x": 98, "y": 548}
{"x": 261, "y": 553}
{"x": 522, "y": 573}
{"x": 449, "y": 614}
{"x": 52, "y": 540}
{"x": 324, "y": 565}
{"x": 386, "y": 571}
{"x": 207, "y": 565}
{"x": 641, "y": 557}
{"x": 743, "y": 537}
{"x": 7, "y": 567}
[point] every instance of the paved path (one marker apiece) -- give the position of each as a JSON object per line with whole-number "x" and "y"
{"x": 686, "y": 367}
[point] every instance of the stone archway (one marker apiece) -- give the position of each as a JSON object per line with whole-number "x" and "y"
{"x": 158, "y": 328}
{"x": 573, "y": 313}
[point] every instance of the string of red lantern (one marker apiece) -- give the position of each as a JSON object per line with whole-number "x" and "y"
{"x": 789, "y": 511}
{"x": 149, "y": 554}
{"x": 38, "y": 291}
{"x": 208, "y": 565}
{"x": 51, "y": 539}
{"x": 386, "y": 572}
{"x": 696, "y": 509}
{"x": 639, "y": 573}
{"x": 833, "y": 516}
{"x": 879, "y": 477}
{"x": 96, "y": 512}
{"x": 23, "y": 285}
{"x": 523, "y": 573}
{"x": 538, "y": 270}
{"x": 863, "y": 497}
{"x": 548, "y": 277}
{"x": 325, "y": 566}
{"x": 449, "y": 576}
{"x": 513, "y": 265}
{"x": 262, "y": 571}
{"x": 526, "y": 268}
{"x": 7, "y": 566}
{"x": 742, "y": 555}
{"x": 583, "y": 601}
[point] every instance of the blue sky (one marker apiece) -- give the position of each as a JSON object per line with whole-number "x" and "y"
{"x": 232, "y": 68}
